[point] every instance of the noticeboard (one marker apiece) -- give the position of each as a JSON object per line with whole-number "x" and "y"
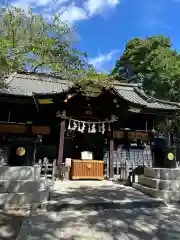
{"x": 68, "y": 162}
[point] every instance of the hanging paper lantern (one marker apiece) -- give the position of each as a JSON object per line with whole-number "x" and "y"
{"x": 20, "y": 151}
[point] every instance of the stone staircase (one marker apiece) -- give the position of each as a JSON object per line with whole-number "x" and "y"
{"x": 162, "y": 183}
{"x": 22, "y": 187}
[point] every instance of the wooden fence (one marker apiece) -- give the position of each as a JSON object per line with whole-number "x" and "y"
{"x": 124, "y": 162}
{"x": 48, "y": 170}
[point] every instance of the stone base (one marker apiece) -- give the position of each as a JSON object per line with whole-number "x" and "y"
{"x": 20, "y": 173}
{"x": 168, "y": 196}
{"x": 22, "y": 187}
{"x": 163, "y": 183}
{"x": 22, "y": 200}
{"x": 159, "y": 184}
{"x": 15, "y": 186}
{"x": 162, "y": 173}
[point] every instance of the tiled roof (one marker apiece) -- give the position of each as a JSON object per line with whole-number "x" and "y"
{"x": 133, "y": 94}
{"x": 130, "y": 95}
{"x": 28, "y": 84}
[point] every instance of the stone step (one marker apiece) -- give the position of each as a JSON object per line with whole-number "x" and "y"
{"x": 23, "y": 199}
{"x": 170, "y": 185}
{"x": 162, "y": 173}
{"x": 168, "y": 196}
{"x": 13, "y": 186}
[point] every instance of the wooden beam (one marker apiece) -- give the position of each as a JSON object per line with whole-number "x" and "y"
{"x": 61, "y": 143}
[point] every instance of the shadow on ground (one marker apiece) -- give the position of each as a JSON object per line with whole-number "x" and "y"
{"x": 94, "y": 215}
{"x": 10, "y": 224}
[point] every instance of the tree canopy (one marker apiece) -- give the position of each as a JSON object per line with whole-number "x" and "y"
{"x": 153, "y": 63}
{"x": 28, "y": 42}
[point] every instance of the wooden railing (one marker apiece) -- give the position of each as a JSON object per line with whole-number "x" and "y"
{"x": 48, "y": 169}
{"x": 124, "y": 162}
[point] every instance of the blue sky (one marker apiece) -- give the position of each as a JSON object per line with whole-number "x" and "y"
{"x": 104, "y": 26}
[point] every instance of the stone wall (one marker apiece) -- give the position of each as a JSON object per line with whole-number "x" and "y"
{"x": 163, "y": 183}
{"x": 20, "y": 173}
{"x": 22, "y": 186}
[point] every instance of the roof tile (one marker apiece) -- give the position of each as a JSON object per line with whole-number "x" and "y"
{"x": 29, "y": 84}
{"x": 137, "y": 96}
{"x": 26, "y": 84}
{"x": 130, "y": 95}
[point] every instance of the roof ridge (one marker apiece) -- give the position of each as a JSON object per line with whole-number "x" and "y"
{"x": 49, "y": 78}
{"x": 11, "y": 77}
{"x": 40, "y": 74}
{"x": 118, "y": 83}
{"x": 156, "y": 99}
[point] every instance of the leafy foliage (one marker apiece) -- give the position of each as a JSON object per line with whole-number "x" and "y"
{"x": 31, "y": 41}
{"x": 153, "y": 63}
{"x": 28, "y": 42}
{"x": 90, "y": 81}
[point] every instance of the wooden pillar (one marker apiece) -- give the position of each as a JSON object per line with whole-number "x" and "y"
{"x": 61, "y": 143}
{"x": 34, "y": 153}
{"x": 111, "y": 157}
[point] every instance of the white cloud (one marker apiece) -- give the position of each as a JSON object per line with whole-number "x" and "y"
{"x": 23, "y": 4}
{"x": 99, "y": 6}
{"x": 51, "y": 2}
{"x": 73, "y": 12}
{"x": 101, "y": 61}
{"x": 43, "y": 4}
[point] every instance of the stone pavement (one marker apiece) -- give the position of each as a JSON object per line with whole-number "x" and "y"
{"x": 101, "y": 210}
{"x": 10, "y": 223}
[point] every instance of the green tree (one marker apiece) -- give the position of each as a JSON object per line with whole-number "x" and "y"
{"x": 29, "y": 42}
{"x": 152, "y": 63}
{"x": 91, "y": 82}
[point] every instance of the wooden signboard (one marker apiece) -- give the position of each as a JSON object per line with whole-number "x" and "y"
{"x": 131, "y": 135}
{"x": 13, "y": 128}
{"x": 68, "y": 162}
{"x": 138, "y": 135}
{"x": 118, "y": 134}
{"x": 23, "y": 128}
{"x": 45, "y": 101}
{"x": 44, "y": 130}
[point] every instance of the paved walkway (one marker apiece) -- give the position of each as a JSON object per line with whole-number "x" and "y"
{"x": 101, "y": 210}
{"x": 10, "y": 223}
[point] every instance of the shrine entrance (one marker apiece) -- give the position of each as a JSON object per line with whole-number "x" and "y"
{"x": 76, "y": 143}
{"x": 85, "y": 147}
